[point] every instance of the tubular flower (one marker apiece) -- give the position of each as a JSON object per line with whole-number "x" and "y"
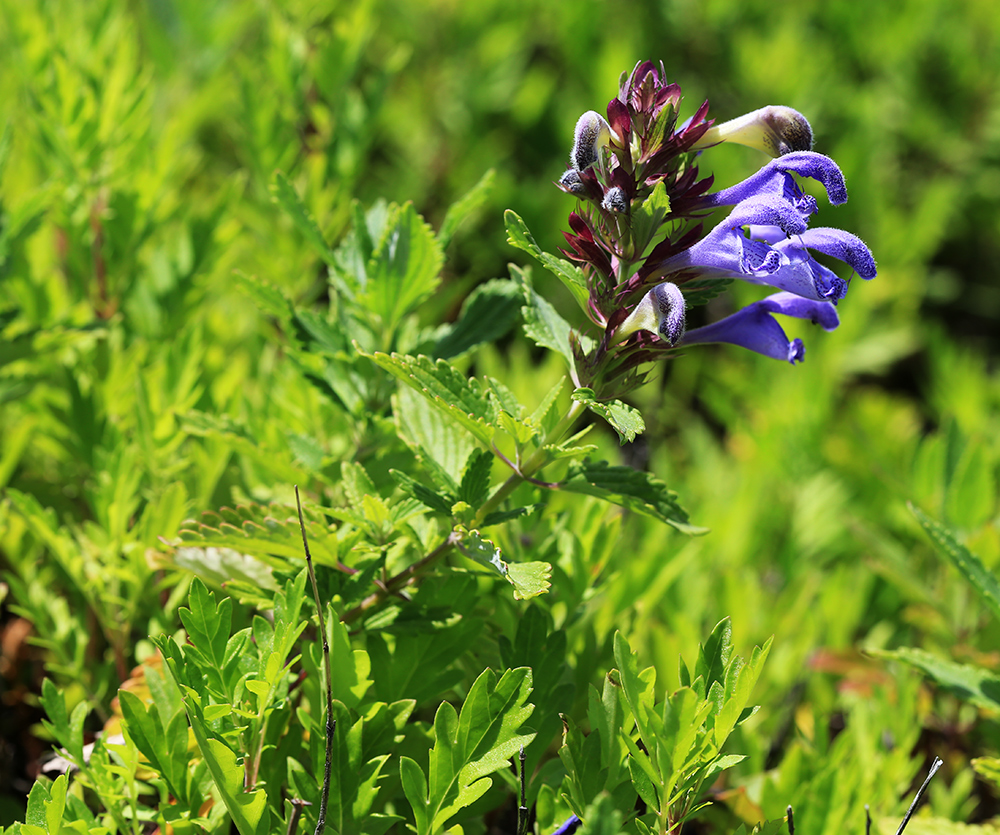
{"x": 638, "y": 230}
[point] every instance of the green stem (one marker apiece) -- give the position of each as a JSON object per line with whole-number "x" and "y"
{"x": 535, "y": 462}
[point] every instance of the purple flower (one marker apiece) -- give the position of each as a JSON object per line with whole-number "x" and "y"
{"x": 763, "y": 258}
{"x": 755, "y": 328}
{"x": 637, "y": 229}
{"x": 775, "y": 178}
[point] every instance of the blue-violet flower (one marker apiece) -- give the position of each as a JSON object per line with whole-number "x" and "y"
{"x": 638, "y": 230}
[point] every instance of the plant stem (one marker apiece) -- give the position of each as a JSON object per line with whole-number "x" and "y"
{"x": 533, "y": 464}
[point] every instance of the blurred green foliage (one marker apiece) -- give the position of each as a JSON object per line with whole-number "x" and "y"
{"x": 142, "y": 384}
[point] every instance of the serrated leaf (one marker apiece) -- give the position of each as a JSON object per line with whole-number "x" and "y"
{"x": 466, "y": 205}
{"x": 268, "y": 298}
{"x": 446, "y": 388}
{"x": 488, "y": 314}
{"x": 542, "y": 322}
{"x": 988, "y": 768}
{"x": 437, "y": 440}
{"x": 529, "y": 579}
{"x": 475, "y": 484}
{"x": 623, "y": 486}
{"x": 975, "y": 685}
{"x": 422, "y": 493}
{"x": 982, "y": 579}
{"x": 404, "y": 268}
{"x": 567, "y": 272}
{"x": 285, "y": 195}
{"x": 625, "y": 420}
{"x": 269, "y": 532}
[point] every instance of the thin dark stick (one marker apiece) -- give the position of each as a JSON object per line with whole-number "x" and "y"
{"x": 791, "y": 821}
{"x": 522, "y": 810}
{"x": 331, "y": 723}
{"x": 938, "y": 762}
{"x": 297, "y": 807}
{"x": 868, "y": 820}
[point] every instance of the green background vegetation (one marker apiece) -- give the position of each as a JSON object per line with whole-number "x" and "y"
{"x": 140, "y": 386}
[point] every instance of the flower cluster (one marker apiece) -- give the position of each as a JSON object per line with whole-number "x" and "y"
{"x": 639, "y": 236}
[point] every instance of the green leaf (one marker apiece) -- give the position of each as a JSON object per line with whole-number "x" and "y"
{"x": 437, "y": 440}
{"x": 268, "y": 298}
{"x": 988, "y": 768}
{"x": 982, "y": 579}
{"x": 568, "y": 273}
{"x": 972, "y": 684}
{"x": 623, "y": 486}
{"x": 270, "y": 532}
{"x": 647, "y": 217}
{"x": 351, "y": 666}
{"x": 470, "y": 746}
{"x": 714, "y": 655}
{"x": 475, "y": 484}
{"x": 636, "y": 687}
{"x": 720, "y": 764}
{"x": 284, "y": 194}
{"x": 466, "y": 205}
{"x": 414, "y": 782}
{"x": 430, "y": 498}
{"x": 248, "y": 809}
{"x": 499, "y": 516}
{"x": 541, "y": 321}
{"x": 67, "y": 731}
{"x": 447, "y": 389}
{"x": 46, "y": 805}
{"x": 489, "y": 312}
{"x": 529, "y": 579}
{"x": 625, "y": 420}
{"x": 404, "y": 268}
{"x": 165, "y": 748}
{"x": 207, "y": 626}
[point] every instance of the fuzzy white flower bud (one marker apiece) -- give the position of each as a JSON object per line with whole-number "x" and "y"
{"x": 661, "y": 311}
{"x": 592, "y": 133}
{"x": 774, "y": 129}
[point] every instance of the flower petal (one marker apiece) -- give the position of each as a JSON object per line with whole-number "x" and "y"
{"x": 774, "y": 178}
{"x": 755, "y": 328}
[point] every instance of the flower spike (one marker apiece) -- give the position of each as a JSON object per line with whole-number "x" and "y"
{"x": 638, "y": 240}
